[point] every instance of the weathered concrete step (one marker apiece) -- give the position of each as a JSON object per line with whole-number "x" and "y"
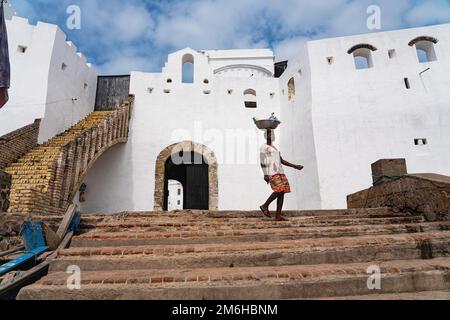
{"x": 260, "y": 283}
{"x": 230, "y": 223}
{"x": 197, "y": 214}
{"x": 301, "y": 213}
{"x": 423, "y": 295}
{"x": 249, "y": 224}
{"x": 289, "y": 252}
{"x": 182, "y": 218}
{"x": 138, "y": 238}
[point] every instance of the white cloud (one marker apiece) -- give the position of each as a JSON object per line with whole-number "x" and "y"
{"x": 289, "y": 48}
{"x": 138, "y": 34}
{"x": 435, "y": 11}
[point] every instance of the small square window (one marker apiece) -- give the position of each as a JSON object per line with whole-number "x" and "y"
{"x": 22, "y": 49}
{"x": 86, "y": 86}
{"x": 251, "y": 104}
{"x": 330, "y": 60}
{"x": 63, "y": 66}
{"x": 421, "y": 142}
{"x": 407, "y": 84}
{"x": 392, "y": 54}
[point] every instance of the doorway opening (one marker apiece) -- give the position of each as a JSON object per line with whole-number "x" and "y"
{"x": 195, "y": 167}
{"x": 192, "y": 173}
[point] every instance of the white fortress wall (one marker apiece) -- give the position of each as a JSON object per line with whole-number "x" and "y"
{"x": 173, "y": 112}
{"x": 360, "y": 116}
{"x": 72, "y": 88}
{"x": 298, "y": 143}
{"x": 30, "y": 49}
{"x": 40, "y": 88}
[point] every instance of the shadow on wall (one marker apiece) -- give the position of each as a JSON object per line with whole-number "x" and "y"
{"x": 102, "y": 189}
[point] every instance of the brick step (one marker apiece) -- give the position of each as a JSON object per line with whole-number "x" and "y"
{"x": 199, "y": 236}
{"x": 288, "y": 252}
{"x": 92, "y": 220}
{"x": 197, "y": 214}
{"x": 136, "y": 230}
{"x": 201, "y": 220}
{"x": 422, "y": 296}
{"x": 258, "y": 283}
{"x": 303, "y": 213}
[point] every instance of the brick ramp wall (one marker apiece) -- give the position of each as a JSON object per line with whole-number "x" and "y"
{"x": 17, "y": 143}
{"x": 426, "y": 194}
{"x": 45, "y": 180}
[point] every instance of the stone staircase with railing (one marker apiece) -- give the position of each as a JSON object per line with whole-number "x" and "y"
{"x": 242, "y": 255}
{"x": 45, "y": 180}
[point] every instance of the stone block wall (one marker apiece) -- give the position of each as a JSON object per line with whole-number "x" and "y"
{"x": 10, "y": 226}
{"x": 425, "y": 194}
{"x": 387, "y": 170}
{"x": 17, "y": 143}
{"x": 5, "y": 189}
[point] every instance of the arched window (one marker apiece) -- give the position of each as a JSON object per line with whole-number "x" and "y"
{"x": 188, "y": 69}
{"x": 250, "y": 98}
{"x": 291, "y": 89}
{"x": 425, "y": 48}
{"x": 363, "y": 59}
{"x": 362, "y": 54}
{"x": 250, "y": 92}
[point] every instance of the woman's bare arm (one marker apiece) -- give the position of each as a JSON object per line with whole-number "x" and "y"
{"x": 288, "y": 164}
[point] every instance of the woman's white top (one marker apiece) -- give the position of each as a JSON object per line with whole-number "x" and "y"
{"x": 271, "y": 160}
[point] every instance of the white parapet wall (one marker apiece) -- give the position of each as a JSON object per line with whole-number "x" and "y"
{"x": 49, "y": 80}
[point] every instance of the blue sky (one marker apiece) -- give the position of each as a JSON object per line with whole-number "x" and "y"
{"x": 118, "y": 36}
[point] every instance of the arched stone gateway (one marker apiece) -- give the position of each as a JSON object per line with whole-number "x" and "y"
{"x": 191, "y": 148}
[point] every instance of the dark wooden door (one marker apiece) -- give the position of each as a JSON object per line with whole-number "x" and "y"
{"x": 197, "y": 187}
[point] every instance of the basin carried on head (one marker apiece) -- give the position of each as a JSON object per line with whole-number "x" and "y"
{"x": 267, "y": 124}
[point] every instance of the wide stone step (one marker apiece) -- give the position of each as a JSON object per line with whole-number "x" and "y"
{"x": 199, "y": 214}
{"x": 260, "y": 283}
{"x": 233, "y": 235}
{"x": 289, "y": 252}
{"x": 422, "y": 296}
{"x": 234, "y": 224}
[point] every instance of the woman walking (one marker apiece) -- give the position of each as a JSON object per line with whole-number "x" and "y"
{"x": 272, "y": 166}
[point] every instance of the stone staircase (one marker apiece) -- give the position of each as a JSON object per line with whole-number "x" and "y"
{"x": 241, "y": 255}
{"x": 48, "y": 176}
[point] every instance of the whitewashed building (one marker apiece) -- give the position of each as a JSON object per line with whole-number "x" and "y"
{"x": 347, "y": 118}
{"x": 176, "y": 194}
{"x": 50, "y": 80}
{"x": 211, "y": 112}
{"x": 344, "y": 103}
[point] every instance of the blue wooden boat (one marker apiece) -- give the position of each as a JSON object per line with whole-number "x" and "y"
{"x": 35, "y": 246}
{"x": 29, "y": 266}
